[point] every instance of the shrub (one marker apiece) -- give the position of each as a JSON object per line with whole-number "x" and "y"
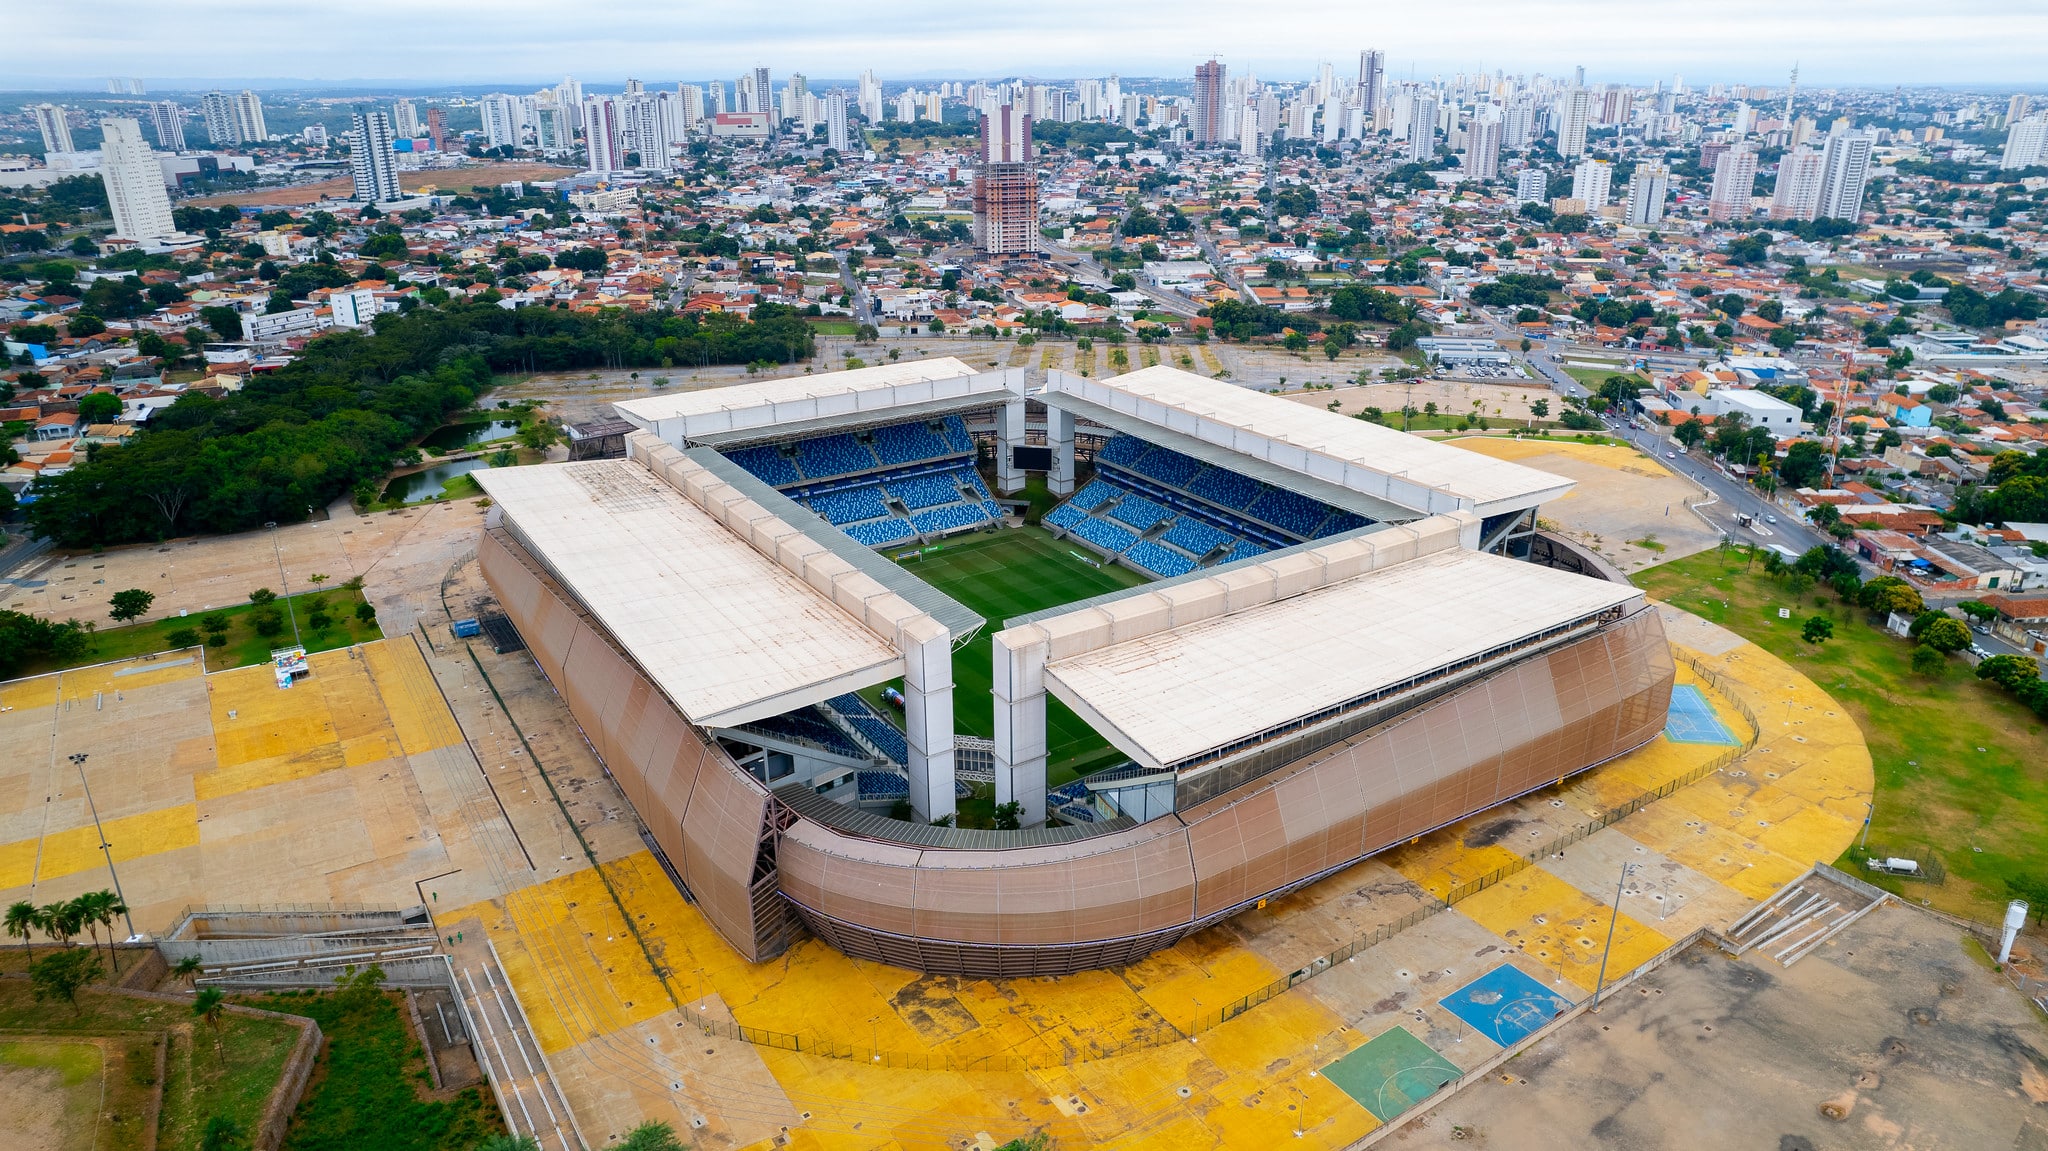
{"x": 1817, "y": 629}
{"x": 366, "y": 613}
{"x": 269, "y": 623}
{"x": 1946, "y": 635}
{"x": 1928, "y": 661}
{"x": 214, "y": 622}
{"x": 262, "y": 596}
{"x": 183, "y": 637}
{"x": 318, "y": 618}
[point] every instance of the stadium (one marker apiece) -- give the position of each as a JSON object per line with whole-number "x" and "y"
{"x": 978, "y": 678}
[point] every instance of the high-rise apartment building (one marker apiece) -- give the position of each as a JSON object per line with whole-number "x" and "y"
{"x": 1847, "y": 159}
{"x": 1517, "y": 125}
{"x": 1574, "y": 109}
{"x": 1422, "y": 127}
{"x": 1532, "y": 186}
{"x": 2026, "y": 142}
{"x": 1372, "y": 79}
{"x": 693, "y": 107}
{"x": 2016, "y": 108}
{"x": 870, "y": 96}
{"x": 1005, "y": 184}
{"x": 1647, "y": 191}
{"x": 835, "y": 121}
{"x": 371, "y": 162}
{"x": 1796, "y": 195}
{"x": 1592, "y": 183}
{"x": 219, "y": 114}
{"x": 56, "y": 130}
{"x": 1734, "y": 177}
{"x": 1212, "y": 124}
{"x": 1482, "y": 145}
{"x": 249, "y": 125}
{"x": 134, "y": 181}
{"x": 601, "y": 135}
{"x": 504, "y": 120}
{"x": 167, "y": 124}
{"x": 405, "y": 119}
{"x": 793, "y": 92}
{"x": 764, "y": 99}
{"x": 437, "y": 127}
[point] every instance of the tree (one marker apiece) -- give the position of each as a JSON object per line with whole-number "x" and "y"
{"x": 22, "y": 921}
{"x": 1817, "y": 629}
{"x": 1805, "y": 462}
{"x": 509, "y": 1143}
{"x": 261, "y": 597}
{"x": 1978, "y": 610}
{"x": 654, "y": 1135}
{"x": 1946, "y": 635}
{"x": 223, "y": 1134}
{"x": 61, "y": 975}
{"x": 211, "y": 1006}
{"x": 1009, "y": 816}
{"x": 98, "y": 407}
{"x": 1928, "y": 661}
{"x": 2011, "y": 672}
{"x": 539, "y": 435}
{"x": 1890, "y": 594}
{"x": 1690, "y": 433}
{"x": 182, "y": 637}
{"x": 186, "y": 968}
{"x": 130, "y": 603}
{"x": 225, "y": 322}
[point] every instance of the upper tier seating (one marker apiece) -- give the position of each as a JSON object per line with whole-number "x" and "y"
{"x": 839, "y": 455}
{"x": 768, "y": 464}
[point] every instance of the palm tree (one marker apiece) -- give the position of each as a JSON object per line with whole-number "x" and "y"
{"x": 186, "y": 968}
{"x": 59, "y": 922}
{"x": 509, "y": 1143}
{"x": 22, "y": 921}
{"x": 653, "y": 1135}
{"x": 110, "y": 905}
{"x": 84, "y": 912}
{"x": 210, "y": 1006}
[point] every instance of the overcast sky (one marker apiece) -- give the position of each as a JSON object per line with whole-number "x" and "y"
{"x": 77, "y": 44}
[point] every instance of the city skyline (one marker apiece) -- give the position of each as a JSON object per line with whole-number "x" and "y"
{"x": 1976, "y": 42}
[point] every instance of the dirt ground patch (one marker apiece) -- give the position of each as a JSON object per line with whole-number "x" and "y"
{"x": 1452, "y": 398}
{"x": 339, "y": 188}
{"x": 1624, "y": 501}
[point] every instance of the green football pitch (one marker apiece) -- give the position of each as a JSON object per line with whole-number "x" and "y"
{"x": 1006, "y": 574}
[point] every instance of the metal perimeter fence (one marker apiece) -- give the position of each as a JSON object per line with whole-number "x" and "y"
{"x": 1163, "y": 1032}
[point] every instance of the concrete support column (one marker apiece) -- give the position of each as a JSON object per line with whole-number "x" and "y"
{"x": 928, "y": 716}
{"x": 1059, "y": 435}
{"x": 1009, "y": 437}
{"x": 1019, "y": 691}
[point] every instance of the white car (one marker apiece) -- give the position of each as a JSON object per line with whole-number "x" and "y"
{"x": 1670, "y": 455}
{"x": 1770, "y": 519}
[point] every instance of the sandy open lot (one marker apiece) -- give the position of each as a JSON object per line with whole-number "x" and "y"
{"x": 1623, "y": 498}
{"x": 339, "y": 188}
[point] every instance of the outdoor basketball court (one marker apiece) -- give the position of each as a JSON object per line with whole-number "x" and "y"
{"x": 1505, "y": 1005}
{"x": 1692, "y": 719}
{"x": 1391, "y": 1074}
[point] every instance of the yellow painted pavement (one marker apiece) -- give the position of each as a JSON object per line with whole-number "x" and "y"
{"x": 77, "y": 849}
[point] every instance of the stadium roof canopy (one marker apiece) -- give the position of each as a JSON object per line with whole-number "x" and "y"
{"x": 1184, "y": 694}
{"x": 1402, "y": 470}
{"x": 797, "y": 406}
{"x": 727, "y": 633}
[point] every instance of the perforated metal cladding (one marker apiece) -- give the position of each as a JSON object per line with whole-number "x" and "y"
{"x": 1101, "y": 901}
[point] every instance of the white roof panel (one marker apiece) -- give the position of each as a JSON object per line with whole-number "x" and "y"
{"x": 1181, "y": 692}
{"x": 1407, "y": 470}
{"x": 727, "y": 633}
{"x": 760, "y": 402}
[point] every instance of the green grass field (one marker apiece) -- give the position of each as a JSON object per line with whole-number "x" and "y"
{"x": 1962, "y": 769}
{"x": 1011, "y": 573}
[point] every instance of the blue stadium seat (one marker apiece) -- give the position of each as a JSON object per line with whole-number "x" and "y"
{"x": 1106, "y": 536}
{"x": 956, "y": 435}
{"x": 972, "y": 479}
{"x": 1139, "y": 512}
{"x": 949, "y": 518}
{"x": 909, "y": 443}
{"x": 1290, "y": 512}
{"x": 1123, "y": 451}
{"x": 881, "y": 784}
{"x": 1065, "y": 516}
{"x": 1340, "y": 521}
{"x": 1093, "y": 493}
{"x": 1158, "y": 560}
{"x": 767, "y": 464}
{"x": 1169, "y": 467}
{"x": 851, "y": 504}
{"x": 1246, "y": 549}
{"x": 1224, "y": 488}
{"x": 875, "y": 533}
{"x": 806, "y": 724}
{"x": 833, "y": 456}
{"x": 926, "y": 491}
{"x": 993, "y": 509}
{"x": 1195, "y": 537}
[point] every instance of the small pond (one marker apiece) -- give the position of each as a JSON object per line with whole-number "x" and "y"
{"x": 455, "y": 436}
{"x": 429, "y": 483}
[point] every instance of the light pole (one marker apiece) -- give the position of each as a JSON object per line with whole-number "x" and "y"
{"x": 1627, "y": 869}
{"x": 284, "y": 582}
{"x": 78, "y": 761}
{"x": 1869, "y": 810}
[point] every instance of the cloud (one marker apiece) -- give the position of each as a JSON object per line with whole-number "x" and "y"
{"x": 517, "y": 42}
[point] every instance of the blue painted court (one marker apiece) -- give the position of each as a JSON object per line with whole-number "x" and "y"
{"x": 1505, "y": 1005}
{"x": 1692, "y": 719}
